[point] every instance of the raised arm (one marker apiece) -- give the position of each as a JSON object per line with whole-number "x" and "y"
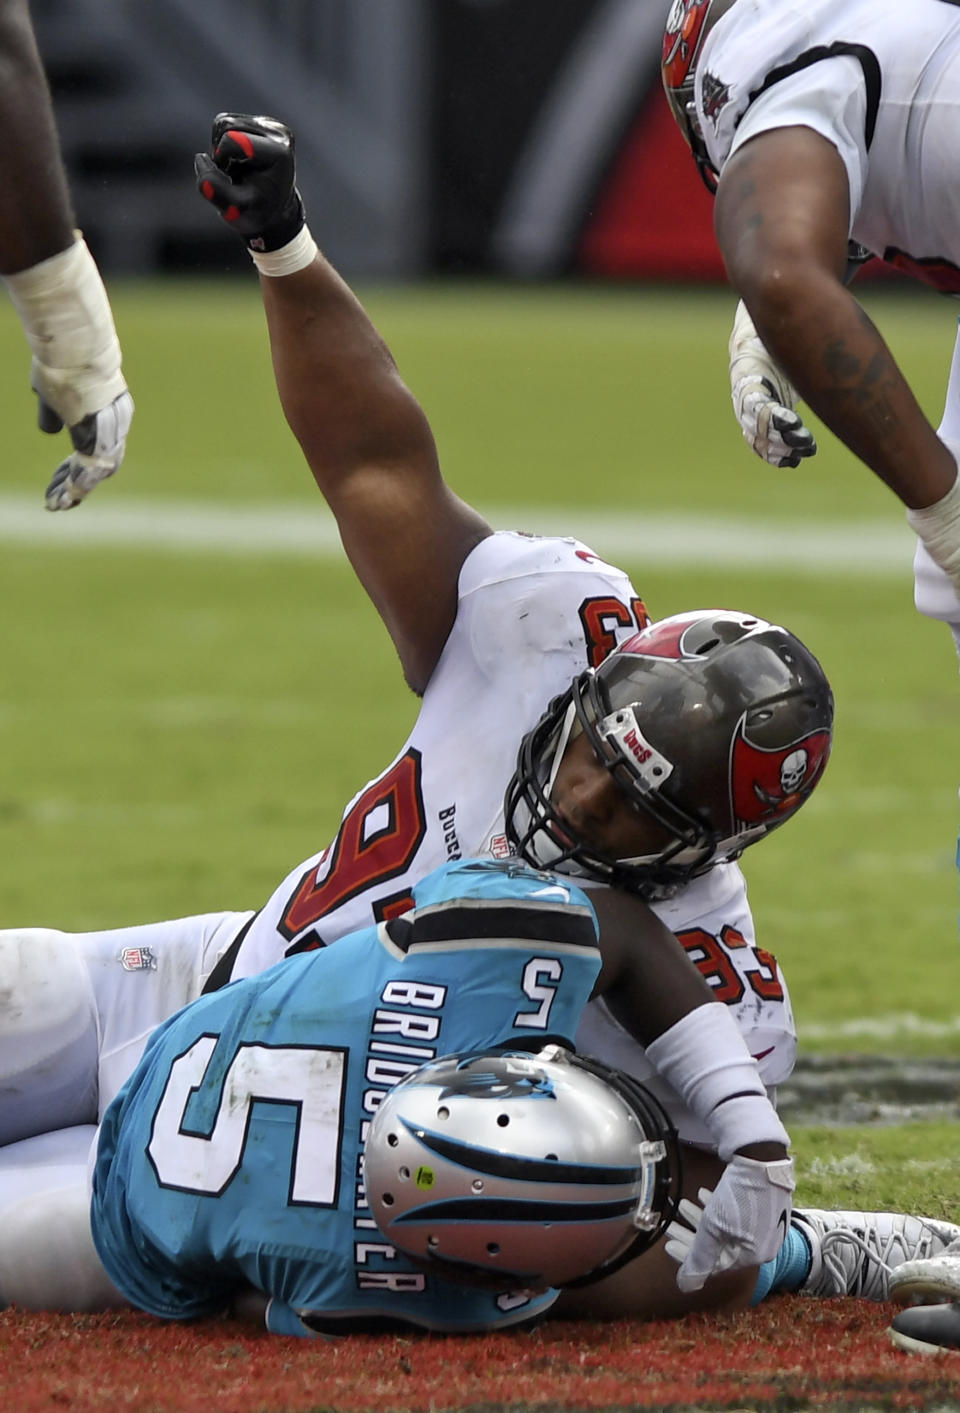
{"x": 363, "y": 433}
{"x": 782, "y": 216}
{"x": 371, "y": 451}
{"x": 51, "y": 277}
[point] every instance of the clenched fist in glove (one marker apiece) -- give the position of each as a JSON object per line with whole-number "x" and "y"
{"x": 764, "y": 400}
{"x": 742, "y": 1222}
{"x": 75, "y": 372}
{"x": 249, "y": 175}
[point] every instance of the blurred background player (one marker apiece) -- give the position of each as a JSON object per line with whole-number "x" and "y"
{"x": 52, "y": 279}
{"x": 819, "y": 126}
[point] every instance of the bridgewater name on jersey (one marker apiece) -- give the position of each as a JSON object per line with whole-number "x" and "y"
{"x": 232, "y": 1157}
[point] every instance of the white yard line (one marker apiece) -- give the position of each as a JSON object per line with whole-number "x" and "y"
{"x": 884, "y": 1027}
{"x": 873, "y": 547}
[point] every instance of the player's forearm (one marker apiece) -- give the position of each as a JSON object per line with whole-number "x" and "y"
{"x": 705, "y": 1059}
{"x": 658, "y": 995}
{"x": 36, "y": 215}
{"x": 782, "y": 218}
{"x": 841, "y": 366}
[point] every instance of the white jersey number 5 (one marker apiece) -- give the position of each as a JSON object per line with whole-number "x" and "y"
{"x": 305, "y": 1076}
{"x": 537, "y": 977}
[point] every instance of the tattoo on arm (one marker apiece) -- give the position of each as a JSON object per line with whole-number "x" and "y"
{"x": 865, "y": 385}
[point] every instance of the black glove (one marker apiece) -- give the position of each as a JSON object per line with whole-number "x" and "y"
{"x": 251, "y": 179}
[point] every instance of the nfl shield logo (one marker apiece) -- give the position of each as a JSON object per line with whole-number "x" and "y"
{"x": 137, "y": 959}
{"x": 500, "y": 847}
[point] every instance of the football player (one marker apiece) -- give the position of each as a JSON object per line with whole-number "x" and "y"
{"x": 52, "y": 279}
{"x": 313, "y": 1135}
{"x": 649, "y": 758}
{"x": 828, "y": 131}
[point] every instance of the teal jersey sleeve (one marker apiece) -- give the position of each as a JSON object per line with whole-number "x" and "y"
{"x": 233, "y": 1155}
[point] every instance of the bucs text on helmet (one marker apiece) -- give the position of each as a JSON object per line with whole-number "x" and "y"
{"x": 688, "y": 24}
{"x": 521, "y": 1171}
{"x": 715, "y": 724}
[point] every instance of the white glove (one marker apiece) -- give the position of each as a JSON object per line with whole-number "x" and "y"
{"x": 764, "y": 399}
{"x": 99, "y": 443}
{"x": 75, "y": 371}
{"x": 742, "y": 1223}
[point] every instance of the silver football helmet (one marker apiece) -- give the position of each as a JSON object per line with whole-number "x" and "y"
{"x": 528, "y": 1170}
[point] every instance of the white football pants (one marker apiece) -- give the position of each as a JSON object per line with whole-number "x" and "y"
{"x": 76, "y": 1010}
{"x": 47, "y": 1257}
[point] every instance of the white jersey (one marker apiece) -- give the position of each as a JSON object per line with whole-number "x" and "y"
{"x": 880, "y": 80}
{"x": 533, "y": 613}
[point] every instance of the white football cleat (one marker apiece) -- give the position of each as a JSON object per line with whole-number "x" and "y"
{"x": 855, "y": 1253}
{"x": 928, "y": 1280}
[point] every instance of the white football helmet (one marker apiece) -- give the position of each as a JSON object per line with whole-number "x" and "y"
{"x": 530, "y": 1170}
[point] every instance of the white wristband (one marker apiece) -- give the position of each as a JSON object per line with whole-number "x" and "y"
{"x": 750, "y": 1118}
{"x": 296, "y": 255}
{"x": 705, "y": 1059}
{"x": 938, "y": 526}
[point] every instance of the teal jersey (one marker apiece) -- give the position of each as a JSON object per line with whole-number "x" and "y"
{"x": 233, "y": 1154}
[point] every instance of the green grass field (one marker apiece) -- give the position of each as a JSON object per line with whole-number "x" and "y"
{"x": 180, "y": 727}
